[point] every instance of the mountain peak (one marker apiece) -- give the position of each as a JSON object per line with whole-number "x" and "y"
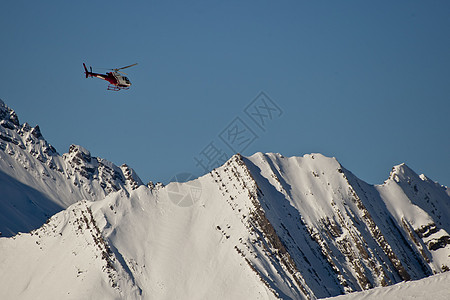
{"x": 402, "y": 172}
{"x": 7, "y": 114}
{"x": 77, "y": 154}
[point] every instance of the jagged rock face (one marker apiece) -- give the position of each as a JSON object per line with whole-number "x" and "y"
{"x": 8, "y": 115}
{"x": 27, "y": 158}
{"x": 85, "y": 168}
{"x": 130, "y": 177}
{"x": 25, "y": 137}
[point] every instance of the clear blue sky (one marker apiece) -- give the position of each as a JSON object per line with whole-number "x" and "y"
{"x": 367, "y": 82}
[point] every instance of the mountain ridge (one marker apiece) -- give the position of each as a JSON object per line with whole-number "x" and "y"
{"x": 62, "y": 179}
{"x": 264, "y": 226}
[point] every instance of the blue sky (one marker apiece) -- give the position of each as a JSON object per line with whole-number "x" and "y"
{"x": 366, "y": 82}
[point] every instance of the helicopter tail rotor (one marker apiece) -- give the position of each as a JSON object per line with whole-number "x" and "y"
{"x": 86, "y": 71}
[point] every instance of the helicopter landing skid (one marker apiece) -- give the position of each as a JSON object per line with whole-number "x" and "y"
{"x": 113, "y": 87}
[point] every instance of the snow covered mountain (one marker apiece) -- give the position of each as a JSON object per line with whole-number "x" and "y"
{"x": 259, "y": 227}
{"x": 36, "y": 182}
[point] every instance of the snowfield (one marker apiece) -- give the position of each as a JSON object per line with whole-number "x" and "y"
{"x": 266, "y": 226}
{"x": 436, "y": 287}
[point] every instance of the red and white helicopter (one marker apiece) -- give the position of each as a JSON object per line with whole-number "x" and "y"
{"x": 116, "y": 81}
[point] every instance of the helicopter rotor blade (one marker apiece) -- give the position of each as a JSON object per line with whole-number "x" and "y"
{"x": 126, "y": 67}
{"x": 121, "y": 72}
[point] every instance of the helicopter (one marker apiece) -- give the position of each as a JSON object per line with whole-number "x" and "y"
{"x": 116, "y": 81}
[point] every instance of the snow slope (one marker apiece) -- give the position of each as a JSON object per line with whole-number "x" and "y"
{"x": 259, "y": 227}
{"x": 435, "y": 287}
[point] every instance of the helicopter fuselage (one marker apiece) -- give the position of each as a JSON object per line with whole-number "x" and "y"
{"x": 116, "y": 80}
